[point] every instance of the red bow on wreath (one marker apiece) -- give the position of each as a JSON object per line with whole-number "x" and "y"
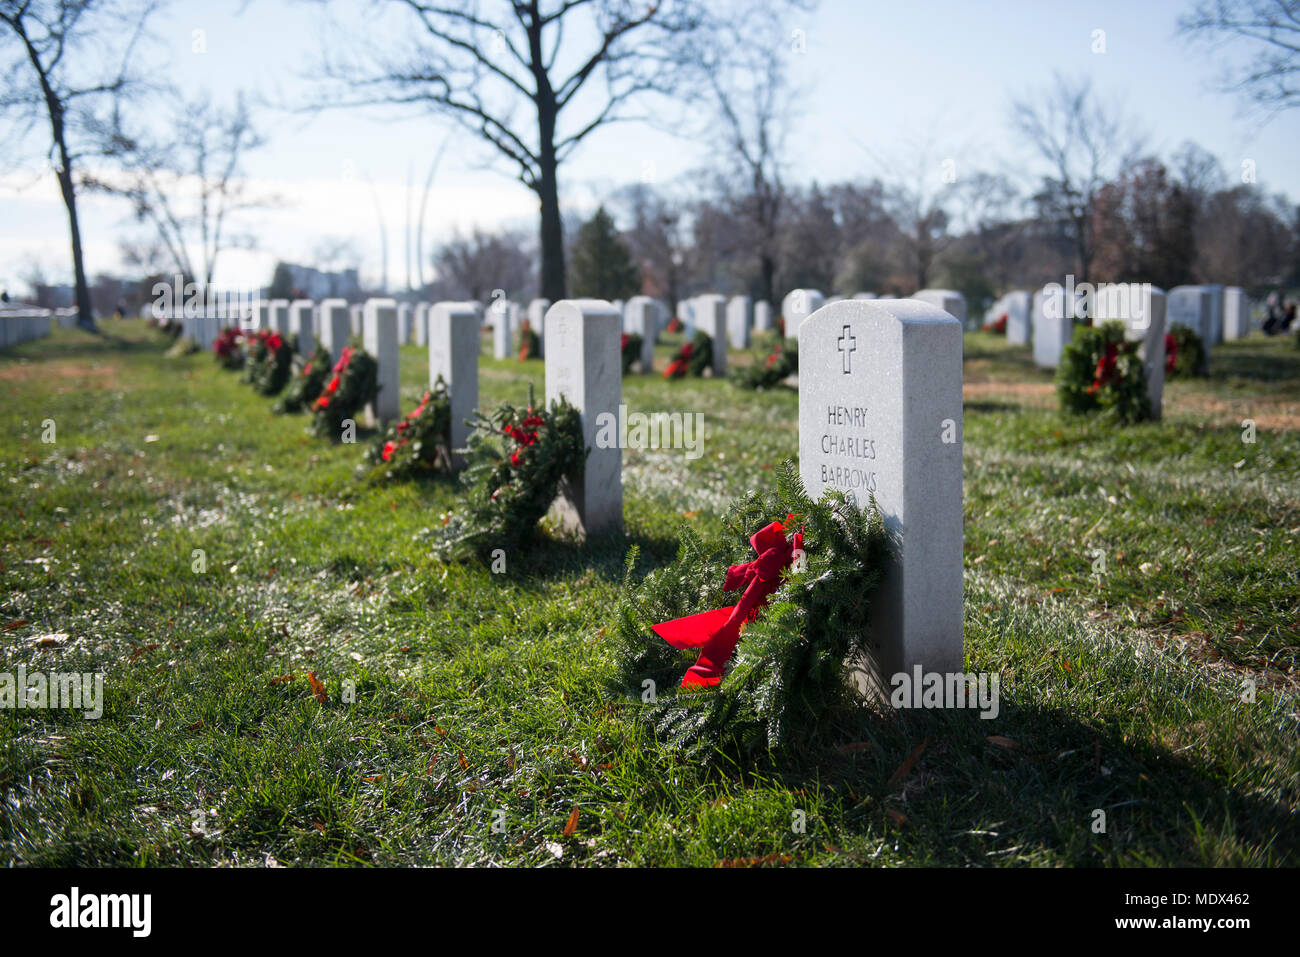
{"x": 717, "y": 632}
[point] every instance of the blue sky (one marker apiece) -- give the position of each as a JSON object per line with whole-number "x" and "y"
{"x": 879, "y": 76}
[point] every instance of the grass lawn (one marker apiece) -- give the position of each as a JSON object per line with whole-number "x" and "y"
{"x": 1125, "y": 583}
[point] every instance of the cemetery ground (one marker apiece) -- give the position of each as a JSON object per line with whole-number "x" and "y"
{"x": 1127, "y": 584}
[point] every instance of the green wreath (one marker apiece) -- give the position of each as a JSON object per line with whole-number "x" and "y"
{"x": 420, "y": 442}
{"x": 516, "y": 460}
{"x": 788, "y": 683}
{"x": 354, "y": 383}
{"x": 1101, "y": 371}
{"x": 307, "y": 384}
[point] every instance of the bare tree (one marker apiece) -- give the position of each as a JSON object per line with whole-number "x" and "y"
{"x": 1270, "y": 31}
{"x": 751, "y": 96}
{"x": 476, "y": 265}
{"x": 523, "y": 75}
{"x": 920, "y": 189}
{"x": 63, "y": 60}
{"x": 187, "y": 182}
{"x": 1079, "y": 138}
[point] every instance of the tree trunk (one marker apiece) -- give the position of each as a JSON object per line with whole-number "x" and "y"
{"x": 553, "y": 285}
{"x": 85, "y": 316}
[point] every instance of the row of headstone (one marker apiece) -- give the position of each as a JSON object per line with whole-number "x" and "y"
{"x": 23, "y": 325}
{"x": 1017, "y": 306}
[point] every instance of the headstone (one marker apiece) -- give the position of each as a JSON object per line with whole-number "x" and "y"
{"x": 280, "y": 316}
{"x": 762, "y": 316}
{"x": 453, "y": 354}
{"x": 585, "y": 367}
{"x": 641, "y": 316}
{"x": 380, "y": 339}
{"x": 262, "y": 317}
{"x": 422, "y": 323}
{"x": 502, "y": 333}
{"x": 686, "y": 314}
{"x": 880, "y": 413}
{"x": 1214, "y": 327}
{"x": 1141, "y": 307}
{"x": 1053, "y": 327}
{"x": 335, "y": 327}
{"x": 301, "y": 325}
{"x": 951, "y": 302}
{"x": 1018, "y": 306}
{"x": 711, "y": 319}
{"x": 355, "y": 315}
{"x": 537, "y": 322}
{"x": 405, "y": 323}
{"x": 1191, "y": 306}
{"x": 797, "y": 306}
{"x": 740, "y": 315}
{"x": 1236, "y": 313}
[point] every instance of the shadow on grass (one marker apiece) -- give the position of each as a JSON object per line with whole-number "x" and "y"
{"x": 1027, "y": 785}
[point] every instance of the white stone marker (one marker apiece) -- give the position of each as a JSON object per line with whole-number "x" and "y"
{"x": 355, "y": 315}
{"x": 880, "y": 413}
{"x": 453, "y": 354}
{"x": 1019, "y": 307}
{"x": 280, "y": 316}
{"x": 586, "y": 368}
{"x": 1053, "y": 328}
{"x": 335, "y": 326}
{"x": 1191, "y": 306}
{"x": 797, "y": 305}
{"x": 301, "y": 324}
{"x": 379, "y": 336}
{"x": 405, "y": 323}
{"x": 422, "y": 323}
{"x": 537, "y": 322}
{"x": 740, "y": 316}
{"x": 951, "y": 302}
{"x": 1236, "y": 313}
{"x": 641, "y": 316}
{"x": 1141, "y": 307}
{"x": 262, "y": 317}
{"x": 762, "y": 316}
{"x": 1215, "y": 324}
{"x": 502, "y": 333}
{"x": 711, "y": 319}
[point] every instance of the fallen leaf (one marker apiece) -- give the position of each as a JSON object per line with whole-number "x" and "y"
{"x": 317, "y": 688}
{"x": 1002, "y": 741}
{"x": 194, "y": 727}
{"x": 572, "y": 824}
{"x": 898, "y": 817}
{"x": 905, "y": 768}
{"x": 15, "y": 624}
{"x": 464, "y": 765}
{"x": 283, "y": 679}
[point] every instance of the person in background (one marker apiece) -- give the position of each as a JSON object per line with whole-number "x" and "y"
{"x": 1273, "y": 314}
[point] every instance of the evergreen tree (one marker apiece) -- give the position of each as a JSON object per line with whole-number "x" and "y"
{"x": 602, "y": 266}
{"x": 281, "y": 283}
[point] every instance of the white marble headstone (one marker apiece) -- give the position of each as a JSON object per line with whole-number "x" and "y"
{"x": 453, "y": 354}
{"x": 1141, "y": 307}
{"x": 797, "y": 305}
{"x": 1053, "y": 326}
{"x": 762, "y": 316}
{"x": 1236, "y": 313}
{"x": 880, "y": 414}
{"x": 1018, "y": 305}
{"x": 335, "y": 326}
{"x": 379, "y": 336}
{"x": 950, "y": 301}
{"x": 585, "y": 366}
{"x": 711, "y": 319}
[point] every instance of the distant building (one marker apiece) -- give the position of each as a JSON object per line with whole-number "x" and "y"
{"x": 314, "y": 284}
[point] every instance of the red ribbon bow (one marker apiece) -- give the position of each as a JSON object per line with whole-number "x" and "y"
{"x": 717, "y": 632}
